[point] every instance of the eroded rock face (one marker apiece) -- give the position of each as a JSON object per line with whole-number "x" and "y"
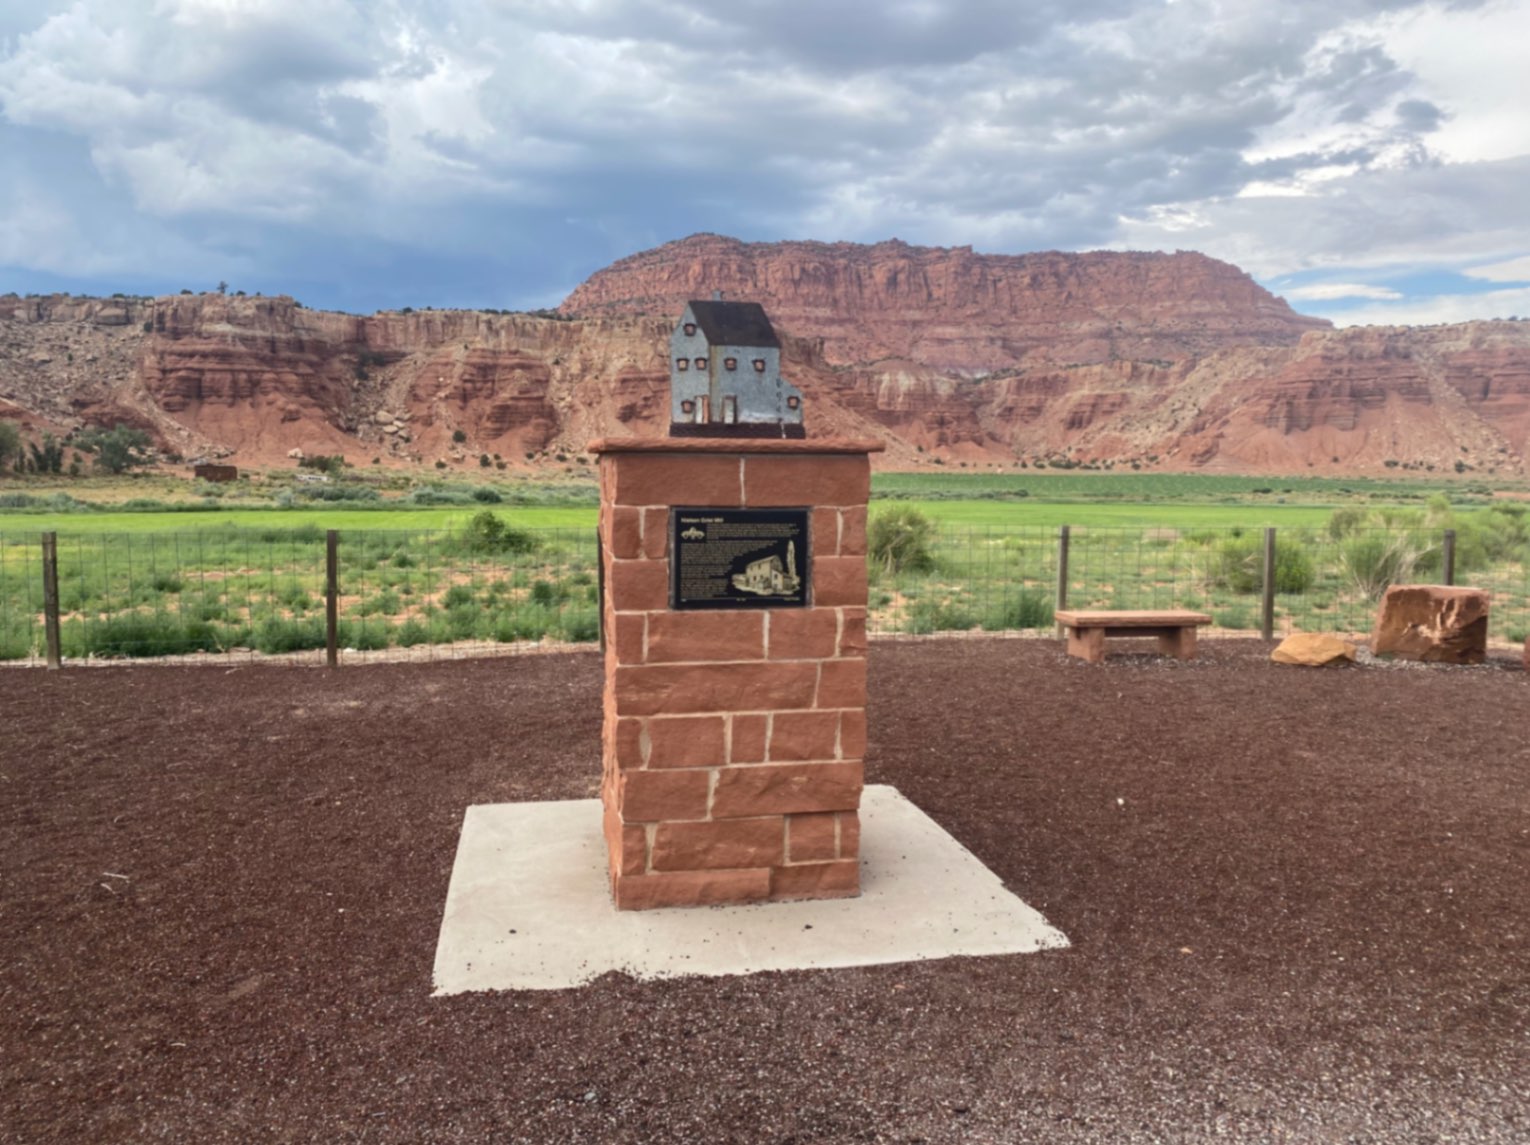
{"x": 956, "y": 310}
{"x": 1313, "y": 650}
{"x": 1432, "y": 623}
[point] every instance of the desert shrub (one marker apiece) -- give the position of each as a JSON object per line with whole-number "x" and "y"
{"x": 487, "y": 496}
{"x": 338, "y": 493}
{"x": 489, "y": 533}
{"x": 142, "y": 634}
{"x": 1239, "y": 565}
{"x": 411, "y": 633}
{"x": 1374, "y": 560}
{"x": 901, "y": 539}
{"x": 165, "y": 582}
{"x": 1234, "y": 618}
{"x": 939, "y": 616}
{"x": 277, "y": 634}
{"x": 549, "y": 593}
{"x": 457, "y": 596}
{"x": 1346, "y": 521}
{"x": 580, "y": 625}
{"x": 361, "y": 636}
{"x": 1031, "y": 609}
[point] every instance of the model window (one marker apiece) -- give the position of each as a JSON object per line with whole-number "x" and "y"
{"x": 701, "y": 363}
{"x": 682, "y": 363}
{"x": 793, "y": 402}
{"x": 759, "y": 365}
{"x": 730, "y": 363}
{"x": 687, "y": 406}
{"x": 690, "y": 329}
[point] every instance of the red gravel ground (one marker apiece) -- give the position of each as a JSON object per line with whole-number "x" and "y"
{"x": 1298, "y": 902}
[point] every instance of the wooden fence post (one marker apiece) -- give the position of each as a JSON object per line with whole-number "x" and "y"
{"x": 1267, "y": 619}
{"x": 50, "y": 598}
{"x": 1062, "y": 573}
{"x": 1450, "y": 556}
{"x": 332, "y": 598}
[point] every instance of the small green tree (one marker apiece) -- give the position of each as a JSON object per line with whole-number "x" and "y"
{"x": 47, "y": 457}
{"x": 118, "y": 449}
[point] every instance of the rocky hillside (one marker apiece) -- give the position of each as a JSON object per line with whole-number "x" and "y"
{"x": 960, "y": 312}
{"x": 1163, "y": 361}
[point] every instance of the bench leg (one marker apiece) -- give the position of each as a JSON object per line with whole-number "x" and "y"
{"x": 1087, "y": 644}
{"x": 1180, "y": 644}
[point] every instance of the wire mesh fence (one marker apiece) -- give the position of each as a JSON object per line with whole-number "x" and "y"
{"x": 424, "y": 594}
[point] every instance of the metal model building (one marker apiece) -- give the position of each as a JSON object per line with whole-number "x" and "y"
{"x": 725, "y": 374}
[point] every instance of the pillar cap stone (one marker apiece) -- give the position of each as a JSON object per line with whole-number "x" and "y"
{"x": 815, "y": 445}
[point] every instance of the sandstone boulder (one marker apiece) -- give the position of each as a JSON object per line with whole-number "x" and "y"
{"x": 1432, "y": 623}
{"x": 1313, "y": 650}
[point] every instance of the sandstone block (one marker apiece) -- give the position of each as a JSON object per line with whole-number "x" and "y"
{"x": 686, "y": 741}
{"x": 670, "y": 478}
{"x": 849, "y": 834}
{"x": 813, "y": 837}
{"x": 624, "y": 535}
{"x": 691, "y": 888}
{"x": 852, "y": 531}
{"x": 852, "y": 632}
{"x": 1313, "y": 650}
{"x": 1432, "y": 623}
{"x": 677, "y": 637}
{"x": 803, "y": 634}
{"x": 825, "y": 532}
{"x": 839, "y": 879}
{"x": 842, "y": 684}
{"x": 681, "y": 689}
{"x": 748, "y": 739}
{"x": 803, "y": 736}
{"x": 633, "y": 586}
{"x": 626, "y": 746}
{"x": 650, "y": 796}
{"x": 728, "y": 844}
{"x": 852, "y": 733}
{"x": 785, "y": 789}
{"x": 839, "y": 581}
{"x": 812, "y": 479}
{"x": 656, "y": 533}
{"x": 627, "y": 636}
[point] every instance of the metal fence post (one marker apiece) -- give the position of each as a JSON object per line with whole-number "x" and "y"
{"x": 332, "y": 598}
{"x": 1267, "y": 619}
{"x": 1062, "y": 572}
{"x": 50, "y": 598}
{"x": 1450, "y": 556}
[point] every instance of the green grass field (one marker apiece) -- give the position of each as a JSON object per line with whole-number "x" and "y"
{"x": 141, "y": 582}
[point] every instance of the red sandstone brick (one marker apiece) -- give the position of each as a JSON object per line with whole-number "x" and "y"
{"x": 633, "y": 586}
{"x": 686, "y": 741}
{"x": 849, "y": 834}
{"x": 648, "y": 796}
{"x": 656, "y": 533}
{"x": 626, "y": 844}
{"x": 679, "y": 689}
{"x": 840, "y": 879}
{"x": 748, "y": 743}
{"x": 626, "y": 742}
{"x": 624, "y": 636}
{"x": 624, "y": 533}
{"x": 803, "y": 735}
{"x": 812, "y": 838}
{"x": 807, "y": 479}
{"x": 691, "y": 888}
{"x": 852, "y": 632}
{"x": 838, "y": 581}
{"x": 668, "y": 478}
{"x": 825, "y": 532}
{"x": 852, "y": 733}
{"x": 803, "y": 633}
{"x": 675, "y": 637}
{"x": 852, "y": 531}
{"x": 725, "y": 845}
{"x": 785, "y": 789}
{"x": 842, "y": 684}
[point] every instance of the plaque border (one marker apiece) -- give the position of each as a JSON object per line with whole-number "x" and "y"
{"x": 733, "y": 604}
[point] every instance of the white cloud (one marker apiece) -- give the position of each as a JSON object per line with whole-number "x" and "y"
{"x": 1330, "y": 291}
{"x": 1444, "y": 308}
{"x": 1511, "y": 270}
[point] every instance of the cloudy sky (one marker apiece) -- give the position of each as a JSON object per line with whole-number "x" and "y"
{"x": 1369, "y": 160}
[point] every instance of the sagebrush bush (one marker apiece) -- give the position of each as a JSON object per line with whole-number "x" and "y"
{"x": 901, "y": 539}
{"x": 1031, "y": 609}
{"x": 1239, "y": 565}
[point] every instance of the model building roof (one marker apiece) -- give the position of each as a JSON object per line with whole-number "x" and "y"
{"x": 734, "y": 323}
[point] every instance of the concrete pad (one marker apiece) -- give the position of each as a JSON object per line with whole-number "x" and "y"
{"x": 528, "y": 907}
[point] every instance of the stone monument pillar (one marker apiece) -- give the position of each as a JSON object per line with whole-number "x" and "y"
{"x": 734, "y": 616}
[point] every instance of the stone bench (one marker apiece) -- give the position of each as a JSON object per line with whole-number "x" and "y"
{"x": 1087, "y": 629}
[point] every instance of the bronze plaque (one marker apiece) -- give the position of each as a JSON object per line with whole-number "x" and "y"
{"x": 739, "y": 558}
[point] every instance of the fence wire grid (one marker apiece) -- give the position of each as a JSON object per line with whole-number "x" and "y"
{"x": 262, "y": 593}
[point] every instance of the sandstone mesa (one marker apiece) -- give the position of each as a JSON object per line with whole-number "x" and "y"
{"x": 1171, "y": 361}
